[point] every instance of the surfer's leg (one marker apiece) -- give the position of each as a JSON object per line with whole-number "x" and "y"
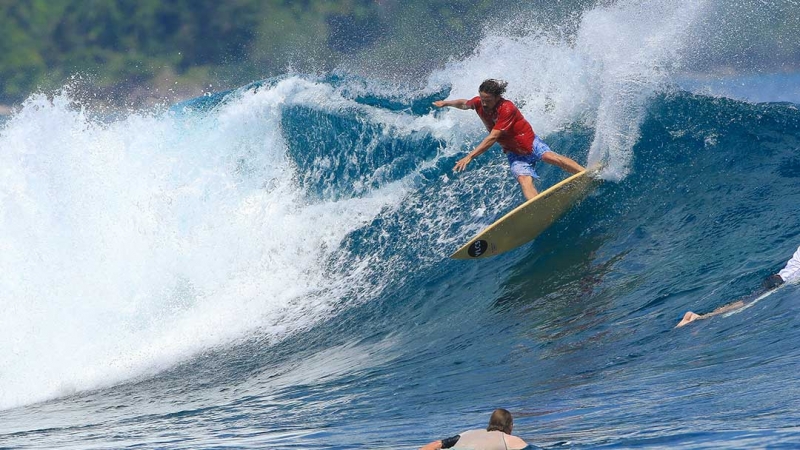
{"x": 567, "y": 164}
{"x": 543, "y": 153}
{"x": 523, "y": 169}
{"x": 528, "y": 189}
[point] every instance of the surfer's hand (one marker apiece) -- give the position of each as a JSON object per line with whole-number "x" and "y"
{"x": 439, "y": 104}
{"x": 462, "y": 163}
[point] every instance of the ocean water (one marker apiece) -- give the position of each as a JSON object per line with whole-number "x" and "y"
{"x": 268, "y": 267}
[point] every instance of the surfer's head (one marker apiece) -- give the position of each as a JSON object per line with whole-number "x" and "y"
{"x": 501, "y": 420}
{"x": 494, "y": 87}
{"x": 491, "y": 92}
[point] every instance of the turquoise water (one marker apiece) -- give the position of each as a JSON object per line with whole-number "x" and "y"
{"x": 268, "y": 267}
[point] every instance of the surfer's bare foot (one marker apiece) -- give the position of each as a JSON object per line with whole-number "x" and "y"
{"x": 687, "y": 318}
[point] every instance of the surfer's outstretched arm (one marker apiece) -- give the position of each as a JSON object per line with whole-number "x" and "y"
{"x": 459, "y": 103}
{"x": 691, "y": 317}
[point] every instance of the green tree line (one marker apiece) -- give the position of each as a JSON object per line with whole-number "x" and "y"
{"x": 130, "y": 42}
{"x": 123, "y": 44}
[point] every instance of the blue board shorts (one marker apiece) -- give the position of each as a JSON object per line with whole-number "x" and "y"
{"x": 526, "y": 164}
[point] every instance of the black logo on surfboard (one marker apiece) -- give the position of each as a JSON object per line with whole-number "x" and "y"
{"x": 477, "y": 248}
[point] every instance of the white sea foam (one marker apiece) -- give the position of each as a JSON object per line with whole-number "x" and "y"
{"x": 129, "y": 245}
{"x": 603, "y": 75}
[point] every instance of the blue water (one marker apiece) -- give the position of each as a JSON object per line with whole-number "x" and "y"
{"x": 268, "y": 267}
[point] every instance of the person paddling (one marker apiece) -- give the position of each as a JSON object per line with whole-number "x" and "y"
{"x": 497, "y": 436}
{"x": 789, "y": 274}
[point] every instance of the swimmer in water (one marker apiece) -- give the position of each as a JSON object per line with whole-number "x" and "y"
{"x": 497, "y": 436}
{"x": 789, "y": 273}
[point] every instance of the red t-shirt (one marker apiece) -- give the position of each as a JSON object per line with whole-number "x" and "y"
{"x": 517, "y": 134}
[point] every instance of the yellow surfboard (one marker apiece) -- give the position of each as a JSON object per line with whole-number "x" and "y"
{"x": 529, "y": 219}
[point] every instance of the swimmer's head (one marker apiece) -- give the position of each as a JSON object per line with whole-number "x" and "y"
{"x": 501, "y": 420}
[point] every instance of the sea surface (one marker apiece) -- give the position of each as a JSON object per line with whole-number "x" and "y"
{"x": 268, "y": 267}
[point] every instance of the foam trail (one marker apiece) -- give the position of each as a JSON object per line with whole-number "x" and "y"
{"x": 634, "y": 49}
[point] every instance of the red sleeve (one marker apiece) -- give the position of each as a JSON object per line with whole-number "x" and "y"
{"x": 473, "y": 101}
{"x": 505, "y": 116}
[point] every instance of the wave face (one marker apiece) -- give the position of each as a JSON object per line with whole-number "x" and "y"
{"x": 267, "y": 267}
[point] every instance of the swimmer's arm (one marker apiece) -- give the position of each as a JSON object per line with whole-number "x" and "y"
{"x": 691, "y": 317}
{"x": 460, "y": 103}
{"x": 435, "y": 445}
{"x": 487, "y": 142}
{"x": 724, "y": 309}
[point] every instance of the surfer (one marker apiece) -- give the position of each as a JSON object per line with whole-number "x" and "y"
{"x": 790, "y": 272}
{"x": 497, "y": 436}
{"x": 516, "y": 137}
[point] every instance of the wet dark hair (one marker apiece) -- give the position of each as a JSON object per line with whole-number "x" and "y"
{"x": 494, "y": 87}
{"x": 501, "y": 420}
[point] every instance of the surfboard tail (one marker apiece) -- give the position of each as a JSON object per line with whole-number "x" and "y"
{"x": 527, "y": 221}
